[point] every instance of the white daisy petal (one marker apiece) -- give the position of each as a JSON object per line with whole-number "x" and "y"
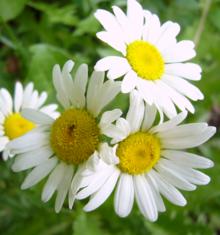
{"x": 31, "y": 159}
{"x": 5, "y": 102}
{"x": 167, "y": 37}
{"x": 193, "y": 176}
{"x": 151, "y": 30}
{"x": 124, "y": 195}
{"x": 123, "y": 21}
{"x": 18, "y": 97}
{"x": 173, "y": 177}
{"x": 80, "y": 82}
{"x": 124, "y": 127}
{"x": 189, "y": 71}
{"x": 184, "y": 87}
{"x": 135, "y": 112}
{"x": 167, "y": 190}
{"x": 169, "y": 124}
{"x": 146, "y": 90}
{"x": 97, "y": 88}
{"x": 74, "y": 186}
{"x": 2, "y": 119}
{"x": 41, "y": 100}
{"x": 157, "y": 197}
{"x": 112, "y": 41}
{"x": 145, "y": 199}
{"x": 187, "y": 159}
{"x": 59, "y": 86}
{"x": 3, "y": 141}
{"x": 53, "y": 182}
{"x": 108, "y": 21}
{"x": 135, "y": 16}
{"x": 63, "y": 188}
{"x": 38, "y": 173}
{"x": 51, "y": 110}
{"x": 96, "y": 183}
{"x": 33, "y": 100}
{"x": 149, "y": 117}
{"x": 181, "y": 102}
{"x": 184, "y": 130}
{"x": 101, "y": 196}
{"x": 108, "y": 92}
{"x": 107, "y": 62}
{"x": 116, "y": 71}
{"x": 28, "y": 90}
{"x": 119, "y": 131}
{"x": 109, "y": 117}
{"x": 108, "y": 154}
{"x": 37, "y": 117}
{"x": 129, "y": 82}
{"x": 182, "y": 51}
{"x": 190, "y": 141}
{"x": 7, "y": 99}
{"x": 94, "y": 87}
{"x": 164, "y": 101}
{"x": 28, "y": 142}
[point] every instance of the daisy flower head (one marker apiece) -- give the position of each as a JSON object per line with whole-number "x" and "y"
{"x": 146, "y": 161}
{"x": 61, "y": 147}
{"x": 151, "y": 61}
{"x": 12, "y": 124}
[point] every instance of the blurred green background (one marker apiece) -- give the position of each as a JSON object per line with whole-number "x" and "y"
{"x": 34, "y": 35}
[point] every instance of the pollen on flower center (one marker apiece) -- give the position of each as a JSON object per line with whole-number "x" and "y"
{"x": 138, "y": 153}
{"x": 15, "y": 126}
{"x": 145, "y": 59}
{"x": 74, "y": 136}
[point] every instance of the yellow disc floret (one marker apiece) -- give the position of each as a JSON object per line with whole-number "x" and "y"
{"x": 138, "y": 153}
{"x": 145, "y": 59}
{"x": 15, "y": 126}
{"x": 74, "y": 136}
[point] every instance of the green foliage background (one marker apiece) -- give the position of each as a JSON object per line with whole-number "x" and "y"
{"x": 36, "y": 34}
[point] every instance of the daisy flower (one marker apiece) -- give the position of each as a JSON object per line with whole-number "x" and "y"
{"x": 146, "y": 162}
{"x": 12, "y": 124}
{"x": 151, "y": 60}
{"x": 61, "y": 147}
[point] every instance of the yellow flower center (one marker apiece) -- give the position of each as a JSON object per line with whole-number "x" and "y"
{"x": 15, "y": 126}
{"x": 138, "y": 153}
{"x": 145, "y": 59}
{"x": 74, "y": 136}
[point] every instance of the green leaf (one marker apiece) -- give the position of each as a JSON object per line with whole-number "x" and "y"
{"x": 88, "y": 25}
{"x": 86, "y": 224}
{"x": 57, "y": 14}
{"x": 9, "y": 9}
{"x": 44, "y": 57}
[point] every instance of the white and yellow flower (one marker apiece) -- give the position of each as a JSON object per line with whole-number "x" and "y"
{"x": 146, "y": 162}
{"x": 12, "y": 124}
{"x": 61, "y": 147}
{"x": 151, "y": 61}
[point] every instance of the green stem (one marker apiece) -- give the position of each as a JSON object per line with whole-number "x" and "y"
{"x": 202, "y": 22}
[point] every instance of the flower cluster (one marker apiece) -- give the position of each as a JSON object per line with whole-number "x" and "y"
{"x": 88, "y": 151}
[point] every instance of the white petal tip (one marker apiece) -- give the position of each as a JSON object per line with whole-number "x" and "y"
{"x": 122, "y": 215}
{"x": 183, "y": 203}
{"x": 87, "y": 208}
{"x": 79, "y": 196}
{"x": 213, "y": 129}
{"x": 57, "y": 210}
{"x": 70, "y": 65}
{"x": 15, "y": 168}
{"x": 211, "y": 164}
{"x": 153, "y": 219}
{"x": 24, "y": 186}
{"x": 206, "y": 180}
